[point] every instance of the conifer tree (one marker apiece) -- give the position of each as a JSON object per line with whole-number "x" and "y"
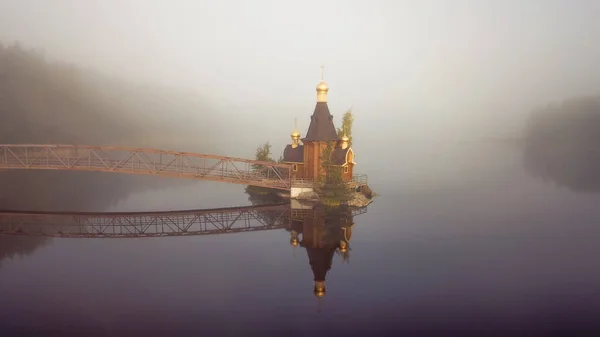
{"x": 346, "y": 128}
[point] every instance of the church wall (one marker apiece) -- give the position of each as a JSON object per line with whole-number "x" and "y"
{"x": 317, "y": 163}
{"x": 318, "y": 168}
{"x": 300, "y": 172}
{"x": 314, "y": 167}
{"x": 313, "y": 152}
{"x": 350, "y": 164}
{"x": 308, "y": 159}
{"x": 347, "y": 176}
{"x": 312, "y": 159}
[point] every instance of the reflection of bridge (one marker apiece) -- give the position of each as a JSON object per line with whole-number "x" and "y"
{"x": 151, "y": 224}
{"x": 148, "y": 162}
{"x": 324, "y": 232}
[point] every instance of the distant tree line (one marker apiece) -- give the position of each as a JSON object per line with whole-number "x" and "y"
{"x": 19, "y": 246}
{"x": 57, "y": 102}
{"x": 562, "y": 143}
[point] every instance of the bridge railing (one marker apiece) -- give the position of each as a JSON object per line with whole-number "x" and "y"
{"x": 301, "y": 214}
{"x": 360, "y": 179}
{"x": 296, "y": 182}
{"x": 155, "y": 224}
{"x": 146, "y": 161}
{"x": 144, "y": 224}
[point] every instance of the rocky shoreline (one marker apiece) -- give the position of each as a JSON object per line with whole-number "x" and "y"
{"x": 354, "y": 199}
{"x": 358, "y": 199}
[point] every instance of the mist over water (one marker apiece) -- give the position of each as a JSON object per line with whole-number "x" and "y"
{"x": 476, "y": 124}
{"x": 49, "y": 103}
{"x": 485, "y": 249}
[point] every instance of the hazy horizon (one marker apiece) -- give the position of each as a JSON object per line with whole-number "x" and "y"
{"x": 470, "y": 233}
{"x": 412, "y": 67}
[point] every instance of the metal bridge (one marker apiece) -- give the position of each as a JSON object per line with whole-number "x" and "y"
{"x": 152, "y": 224}
{"x": 147, "y": 161}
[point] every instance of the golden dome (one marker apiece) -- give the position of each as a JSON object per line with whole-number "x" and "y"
{"x": 295, "y": 134}
{"x": 345, "y": 138}
{"x": 322, "y": 87}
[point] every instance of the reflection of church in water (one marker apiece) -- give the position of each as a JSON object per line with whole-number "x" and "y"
{"x": 323, "y": 233}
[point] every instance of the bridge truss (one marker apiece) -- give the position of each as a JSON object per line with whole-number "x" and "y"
{"x": 148, "y": 162}
{"x": 153, "y": 224}
{"x": 145, "y": 224}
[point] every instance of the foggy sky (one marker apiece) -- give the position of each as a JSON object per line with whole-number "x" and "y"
{"x": 405, "y": 66}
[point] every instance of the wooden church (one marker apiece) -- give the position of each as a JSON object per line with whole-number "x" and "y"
{"x": 305, "y": 154}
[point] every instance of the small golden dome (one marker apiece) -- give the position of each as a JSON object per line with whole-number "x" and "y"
{"x": 322, "y": 87}
{"x": 295, "y": 134}
{"x": 294, "y": 242}
{"x": 345, "y": 138}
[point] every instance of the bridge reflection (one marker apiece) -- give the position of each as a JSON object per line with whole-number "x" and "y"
{"x": 144, "y": 224}
{"x": 153, "y": 224}
{"x": 322, "y": 231}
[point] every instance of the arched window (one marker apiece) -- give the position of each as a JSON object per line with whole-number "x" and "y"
{"x": 294, "y": 167}
{"x": 346, "y": 169}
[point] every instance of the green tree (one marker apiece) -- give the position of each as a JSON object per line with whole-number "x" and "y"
{"x": 263, "y": 153}
{"x": 346, "y": 128}
{"x": 330, "y": 181}
{"x": 324, "y": 176}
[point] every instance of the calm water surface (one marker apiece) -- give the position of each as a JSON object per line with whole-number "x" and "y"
{"x": 457, "y": 243}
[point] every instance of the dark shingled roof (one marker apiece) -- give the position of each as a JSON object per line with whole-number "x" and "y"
{"x": 294, "y": 155}
{"x": 338, "y": 156}
{"x": 320, "y": 261}
{"x": 321, "y": 125}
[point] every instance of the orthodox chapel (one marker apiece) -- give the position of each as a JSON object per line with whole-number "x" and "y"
{"x": 305, "y": 154}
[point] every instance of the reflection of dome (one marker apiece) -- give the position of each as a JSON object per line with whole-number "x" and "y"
{"x": 320, "y": 262}
{"x": 325, "y": 233}
{"x": 343, "y": 246}
{"x": 294, "y": 242}
{"x": 319, "y": 289}
{"x": 294, "y": 238}
{"x": 322, "y": 87}
{"x": 345, "y": 139}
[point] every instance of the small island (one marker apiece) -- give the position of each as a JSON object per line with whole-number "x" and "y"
{"x": 322, "y": 162}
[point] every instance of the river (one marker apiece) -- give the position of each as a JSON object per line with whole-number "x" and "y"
{"x": 457, "y": 242}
